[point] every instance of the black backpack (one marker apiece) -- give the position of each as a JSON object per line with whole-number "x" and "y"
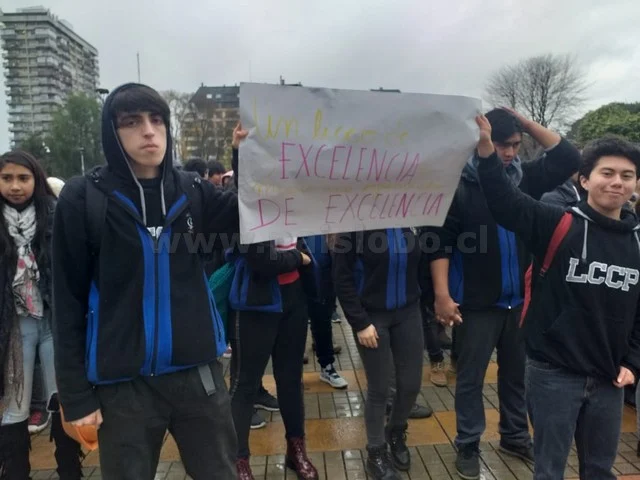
{"x": 96, "y": 203}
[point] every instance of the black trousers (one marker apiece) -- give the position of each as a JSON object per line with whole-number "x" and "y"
{"x": 321, "y": 329}
{"x": 138, "y": 413}
{"x": 281, "y": 336}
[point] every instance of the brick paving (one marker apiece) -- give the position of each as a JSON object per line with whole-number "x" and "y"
{"x": 337, "y": 415}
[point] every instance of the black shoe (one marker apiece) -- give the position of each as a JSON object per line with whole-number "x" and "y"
{"x": 379, "y": 466}
{"x": 421, "y": 411}
{"x": 257, "y": 421}
{"x": 266, "y": 401}
{"x": 468, "y": 461}
{"x": 397, "y": 440}
{"x": 522, "y": 452}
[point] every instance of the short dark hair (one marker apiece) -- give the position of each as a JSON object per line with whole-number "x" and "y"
{"x": 140, "y": 98}
{"x": 216, "y": 168}
{"x": 503, "y": 124}
{"x": 608, "y": 146}
{"x": 196, "y": 165}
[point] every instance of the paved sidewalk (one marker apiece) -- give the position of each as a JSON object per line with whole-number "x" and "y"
{"x": 336, "y": 435}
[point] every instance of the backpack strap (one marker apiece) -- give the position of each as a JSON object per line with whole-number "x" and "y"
{"x": 95, "y": 211}
{"x": 561, "y": 230}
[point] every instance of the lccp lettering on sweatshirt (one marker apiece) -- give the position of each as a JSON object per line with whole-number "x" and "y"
{"x": 597, "y": 273}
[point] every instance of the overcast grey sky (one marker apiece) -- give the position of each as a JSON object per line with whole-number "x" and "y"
{"x": 427, "y": 46}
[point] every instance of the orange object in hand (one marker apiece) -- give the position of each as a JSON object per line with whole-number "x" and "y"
{"x": 86, "y": 435}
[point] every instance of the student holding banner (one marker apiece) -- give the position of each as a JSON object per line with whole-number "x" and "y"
{"x": 582, "y": 324}
{"x": 478, "y": 285}
{"x": 376, "y": 280}
{"x": 268, "y": 294}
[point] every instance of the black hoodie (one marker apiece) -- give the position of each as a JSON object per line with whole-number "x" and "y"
{"x": 584, "y": 313}
{"x": 138, "y": 308}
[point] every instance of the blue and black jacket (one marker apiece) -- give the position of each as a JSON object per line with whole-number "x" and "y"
{"x": 487, "y": 261}
{"x": 141, "y": 305}
{"x": 322, "y": 290}
{"x": 375, "y": 270}
{"x": 255, "y": 284}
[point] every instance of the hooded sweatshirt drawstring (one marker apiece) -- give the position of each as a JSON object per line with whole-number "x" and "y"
{"x": 584, "y": 241}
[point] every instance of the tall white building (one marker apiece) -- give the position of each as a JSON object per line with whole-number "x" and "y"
{"x": 44, "y": 60}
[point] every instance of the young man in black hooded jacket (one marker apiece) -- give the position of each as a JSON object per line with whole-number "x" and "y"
{"x": 479, "y": 267}
{"x": 136, "y": 331}
{"x": 583, "y": 324}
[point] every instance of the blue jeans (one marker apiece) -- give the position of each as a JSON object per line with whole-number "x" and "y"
{"x": 36, "y": 334}
{"x": 476, "y": 337}
{"x": 565, "y": 406}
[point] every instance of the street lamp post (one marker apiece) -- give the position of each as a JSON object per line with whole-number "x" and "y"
{"x": 102, "y": 92}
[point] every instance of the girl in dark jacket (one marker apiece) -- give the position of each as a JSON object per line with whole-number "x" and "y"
{"x": 27, "y": 204}
{"x": 376, "y": 280}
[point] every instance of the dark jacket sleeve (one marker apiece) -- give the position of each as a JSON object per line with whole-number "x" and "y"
{"x": 552, "y": 169}
{"x": 263, "y": 258}
{"x": 444, "y": 239}
{"x": 343, "y": 268}
{"x": 71, "y": 266}
{"x": 516, "y": 211}
{"x": 632, "y": 359}
{"x": 221, "y": 215}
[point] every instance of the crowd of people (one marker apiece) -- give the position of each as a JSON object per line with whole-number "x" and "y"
{"x": 537, "y": 260}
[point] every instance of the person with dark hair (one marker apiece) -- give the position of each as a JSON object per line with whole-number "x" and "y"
{"x": 582, "y": 324}
{"x": 197, "y": 165}
{"x": 269, "y": 296}
{"x": 375, "y": 276}
{"x": 136, "y": 330}
{"x": 27, "y": 204}
{"x": 216, "y": 171}
{"x": 478, "y": 276}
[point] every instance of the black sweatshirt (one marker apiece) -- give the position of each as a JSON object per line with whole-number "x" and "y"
{"x": 488, "y": 262}
{"x": 139, "y": 308}
{"x": 376, "y": 270}
{"x": 583, "y": 314}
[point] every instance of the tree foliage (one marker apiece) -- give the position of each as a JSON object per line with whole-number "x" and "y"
{"x": 621, "y": 119}
{"x": 75, "y": 132}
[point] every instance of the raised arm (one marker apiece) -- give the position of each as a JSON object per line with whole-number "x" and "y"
{"x": 516, "y": 211}
{"x": 559, "y": 161}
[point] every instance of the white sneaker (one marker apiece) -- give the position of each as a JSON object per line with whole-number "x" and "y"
{"x": 333, "y": 378}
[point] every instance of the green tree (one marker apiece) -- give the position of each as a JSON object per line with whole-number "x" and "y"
{"x": 75, "y": 134}
{"x": 36, "y": 146}
{"x": 621, "y": 119}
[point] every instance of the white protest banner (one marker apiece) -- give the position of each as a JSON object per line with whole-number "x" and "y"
{"x": 324, "y": 161}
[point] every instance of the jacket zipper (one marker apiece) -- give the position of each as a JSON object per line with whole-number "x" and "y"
{"x": 510, "y": 299}
{"x": 154, "y": 353}
{"x": 398, "y": 241}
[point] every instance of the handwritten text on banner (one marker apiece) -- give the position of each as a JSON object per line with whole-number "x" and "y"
{"x": 326, "y": 161}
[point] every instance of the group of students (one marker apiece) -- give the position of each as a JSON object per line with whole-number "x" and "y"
{"x": 136, "y": 333}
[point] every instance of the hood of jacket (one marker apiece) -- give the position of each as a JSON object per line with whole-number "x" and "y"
{"x": 514, "y": 170}
{"x": 628, "y": 223}
{"x": 119, "y": 163}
